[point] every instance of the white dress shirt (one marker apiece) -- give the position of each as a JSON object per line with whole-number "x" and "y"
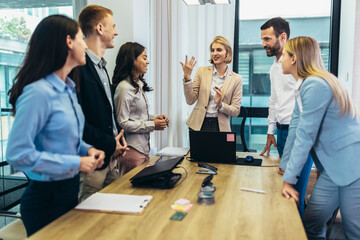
{"x": 282, "y": 98}
{"x": 218, "y": 81}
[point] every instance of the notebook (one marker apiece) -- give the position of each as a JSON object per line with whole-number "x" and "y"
{"x": 213, "y": 147}
{"x": 173, "y": 151}
{"x": 115, "y": 203}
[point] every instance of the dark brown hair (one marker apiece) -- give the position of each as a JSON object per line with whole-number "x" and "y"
{"x": 279, "y": 24}
{"x": 124, "y": 68}
{"x": 47, "y": 52}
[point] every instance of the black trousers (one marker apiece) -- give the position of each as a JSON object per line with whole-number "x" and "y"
{"x": 210, "y": 125}
{"x": 43, "y": 202}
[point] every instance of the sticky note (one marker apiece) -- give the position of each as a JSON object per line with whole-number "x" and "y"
{"x": 182, "y": 208}
{"x": 230, "y": 137}
{"x": 182, "y": 202}
{"x": 178, "y": 216}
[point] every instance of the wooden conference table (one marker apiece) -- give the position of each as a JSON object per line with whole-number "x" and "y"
{"x": 236, "y": 214}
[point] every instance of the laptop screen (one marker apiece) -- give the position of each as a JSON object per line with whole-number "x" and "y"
{"x": 215, "y": 147}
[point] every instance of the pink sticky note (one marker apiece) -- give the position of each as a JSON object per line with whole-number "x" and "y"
{"x": 182, "y": 202}
{"x": 188, "y": 207}
{"x": 230, "y": 137}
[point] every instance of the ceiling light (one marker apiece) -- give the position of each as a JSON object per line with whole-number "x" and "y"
{"x": 202, "y": 2}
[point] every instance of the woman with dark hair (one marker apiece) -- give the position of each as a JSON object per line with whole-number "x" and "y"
{"x": 45, "y": 141}
{"x": 132, "y": 106}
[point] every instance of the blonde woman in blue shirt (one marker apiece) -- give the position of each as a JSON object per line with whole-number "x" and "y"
{"x": 325, "y": 120}
{"x": 45, "y": 141}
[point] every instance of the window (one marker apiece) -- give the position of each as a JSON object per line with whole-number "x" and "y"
{"x": 253, "y": 63}
{"x": 16, "y": 25}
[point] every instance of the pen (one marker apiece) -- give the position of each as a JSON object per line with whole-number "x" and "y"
{"x": 253, "y": 190}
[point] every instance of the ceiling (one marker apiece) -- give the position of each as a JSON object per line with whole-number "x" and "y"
{"x": 15, "y": 4}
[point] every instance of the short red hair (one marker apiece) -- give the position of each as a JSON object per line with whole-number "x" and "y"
{"x": 90, "y": 16}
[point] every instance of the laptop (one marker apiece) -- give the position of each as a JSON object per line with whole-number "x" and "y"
{"x": 159, "y": 175}
{"x": 213, "y": 147}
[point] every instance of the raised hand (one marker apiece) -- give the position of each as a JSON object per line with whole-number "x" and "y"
{"x": 188, "y": 67}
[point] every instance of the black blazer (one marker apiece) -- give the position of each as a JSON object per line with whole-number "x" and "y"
{"x": 98, "y": 130}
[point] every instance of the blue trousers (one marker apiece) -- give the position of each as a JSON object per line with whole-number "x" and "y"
{"x": 325, "y": 198}
{"x": 304, "y": 175}
{"x": 43, "y": 202}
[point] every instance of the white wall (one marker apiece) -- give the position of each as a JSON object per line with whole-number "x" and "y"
{"x": 132, "y": 23}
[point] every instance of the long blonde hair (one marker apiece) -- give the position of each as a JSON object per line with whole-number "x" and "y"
{"x": 309, "y": 63}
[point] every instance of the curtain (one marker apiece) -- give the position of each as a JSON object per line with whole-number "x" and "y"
{"x": 177, "y": 30}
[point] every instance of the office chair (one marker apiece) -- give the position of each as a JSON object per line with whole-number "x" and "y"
{"x": 15, "y": 229}
{"x": 245, "y": 112}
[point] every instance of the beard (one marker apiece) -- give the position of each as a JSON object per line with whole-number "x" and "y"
{"x": 274, "y": 49}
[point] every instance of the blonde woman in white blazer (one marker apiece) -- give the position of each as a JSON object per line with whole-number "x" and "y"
{"x": 216, "y": 90}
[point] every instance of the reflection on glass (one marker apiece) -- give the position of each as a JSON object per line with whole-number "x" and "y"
{"x": 254, "y": 64}
{"x": 16, "y": 26}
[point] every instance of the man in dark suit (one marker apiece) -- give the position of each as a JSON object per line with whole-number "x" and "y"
{"x": 96, "y": 98}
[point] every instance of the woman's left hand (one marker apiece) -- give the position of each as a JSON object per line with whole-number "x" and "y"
{"x": 281, "y": 171}
{"x": 289, "y": 191}
{"x": 218, "y": 96}
{"x": 163, "y": 117}
{"x": 98, "y": 155}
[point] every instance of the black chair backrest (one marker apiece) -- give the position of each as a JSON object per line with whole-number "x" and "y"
{"x": 255, "y": 112}
{"x": 11, "y": 190}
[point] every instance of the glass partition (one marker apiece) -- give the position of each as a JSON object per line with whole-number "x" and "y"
{"x": 253, "y": 63}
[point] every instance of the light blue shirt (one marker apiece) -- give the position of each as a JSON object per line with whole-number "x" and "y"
{"x": 46, "y": 137}
{"x": 319, "y": 125}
